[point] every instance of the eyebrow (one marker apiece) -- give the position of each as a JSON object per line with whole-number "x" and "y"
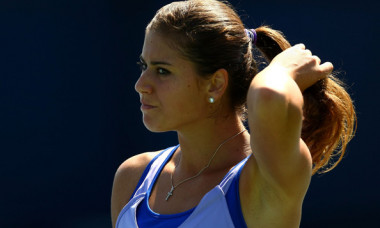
{"x": 155, "y": 62}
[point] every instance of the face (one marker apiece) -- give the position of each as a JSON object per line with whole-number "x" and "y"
{"x": 172, "y": 95}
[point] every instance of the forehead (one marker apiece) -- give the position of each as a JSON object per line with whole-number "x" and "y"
{"x": 156, "y": 47}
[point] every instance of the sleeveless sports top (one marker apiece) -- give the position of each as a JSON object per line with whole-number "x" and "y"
{"x": 220, "y": 207}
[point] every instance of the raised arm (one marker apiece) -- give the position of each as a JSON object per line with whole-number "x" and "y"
{"x": 275, "y": 118}
{"x": 275, "y": 179}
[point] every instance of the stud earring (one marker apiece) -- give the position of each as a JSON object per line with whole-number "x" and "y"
{"x": 211, "y": 100}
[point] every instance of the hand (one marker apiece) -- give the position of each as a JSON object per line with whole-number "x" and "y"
{"x": 305, "y": 68}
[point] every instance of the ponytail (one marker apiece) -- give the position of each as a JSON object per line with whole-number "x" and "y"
{"x": 329, "y": 116}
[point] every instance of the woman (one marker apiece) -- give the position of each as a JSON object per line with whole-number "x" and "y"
{"x": 199, "y": 78}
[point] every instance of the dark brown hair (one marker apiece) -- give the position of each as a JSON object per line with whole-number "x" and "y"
{"x": 211, "y": 35}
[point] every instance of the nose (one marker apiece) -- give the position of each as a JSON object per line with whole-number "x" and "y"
{"x": 142, "y": 85}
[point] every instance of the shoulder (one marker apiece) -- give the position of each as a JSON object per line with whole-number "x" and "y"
{"x": 134, "y": 165}
{"x": 126, "y": 178}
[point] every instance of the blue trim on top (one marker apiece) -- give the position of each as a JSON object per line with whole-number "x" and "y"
{"x": 146, "y": 217}
{"x": 160, "y": 170}
{"x": 151, "y": 187}
{"x": 233, "y": 201}
{"x": 142, "y": 178}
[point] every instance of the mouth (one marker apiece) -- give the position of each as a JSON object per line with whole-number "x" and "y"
{"x": 145, "y": 106}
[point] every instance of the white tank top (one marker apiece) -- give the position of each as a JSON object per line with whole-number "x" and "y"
{"x": 212, "y": 210}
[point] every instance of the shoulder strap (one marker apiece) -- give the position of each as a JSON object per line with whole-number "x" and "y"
{"x": 154, "y": 170}
{"x": 227, "y": 180}
{"x": 145, "y": 173}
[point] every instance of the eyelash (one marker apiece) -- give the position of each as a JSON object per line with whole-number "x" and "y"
{"x": 142, "y": 66}
{"x": 160, "y": 71}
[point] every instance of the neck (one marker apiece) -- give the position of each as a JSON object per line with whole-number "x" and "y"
{"x": 199, "y": 143}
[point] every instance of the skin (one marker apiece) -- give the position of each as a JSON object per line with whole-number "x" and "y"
{"x": 275, "y": 179}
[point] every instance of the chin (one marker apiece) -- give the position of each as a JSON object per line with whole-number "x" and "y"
{"x": 155, "y": 130}
{"x": 154, "y": 126}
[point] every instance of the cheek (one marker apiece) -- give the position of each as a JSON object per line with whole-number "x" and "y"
{"x": 189, "y": 102}
{"x": 182, "y": 98}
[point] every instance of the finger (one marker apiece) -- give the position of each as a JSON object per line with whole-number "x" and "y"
{"x": 326, "y": 68}
{"x": 301, "y": 46}
{"x": 317, "y": 59}
{"x": 308, "y": 52}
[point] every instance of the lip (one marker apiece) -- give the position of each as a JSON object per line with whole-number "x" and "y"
{"x": 146, "y": 106}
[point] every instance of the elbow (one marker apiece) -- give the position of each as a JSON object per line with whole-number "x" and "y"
{"x": 269, "y": 104}
{"x": 274, "y": 93}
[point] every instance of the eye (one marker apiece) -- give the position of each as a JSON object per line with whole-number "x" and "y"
{"x": 142, "y": 66}
{"x": 162, "y": 71}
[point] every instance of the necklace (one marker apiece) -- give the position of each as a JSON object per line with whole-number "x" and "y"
{"x": 170, "y": 193}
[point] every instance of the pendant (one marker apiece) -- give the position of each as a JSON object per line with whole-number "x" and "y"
{"x": 170, "y": 193}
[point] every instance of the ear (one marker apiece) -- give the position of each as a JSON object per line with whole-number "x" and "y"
{"x": 217, "y": 84}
